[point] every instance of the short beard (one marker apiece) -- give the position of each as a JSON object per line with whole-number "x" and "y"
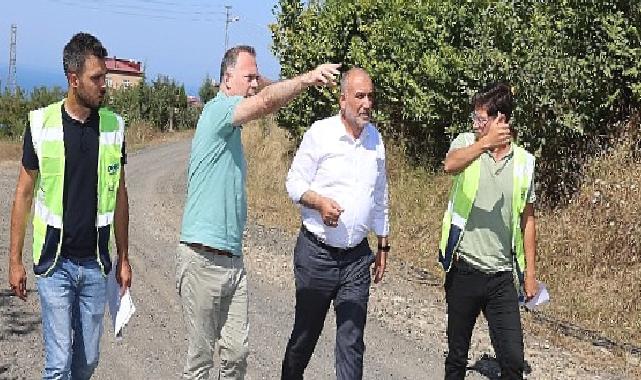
{"x": 84, "y": 100}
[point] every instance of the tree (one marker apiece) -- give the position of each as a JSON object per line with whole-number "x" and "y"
{"x": 575, "y": 68}
{"x": 207, "y": 90}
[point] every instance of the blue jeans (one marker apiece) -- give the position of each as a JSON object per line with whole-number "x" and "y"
{"x": 72, "y": 300}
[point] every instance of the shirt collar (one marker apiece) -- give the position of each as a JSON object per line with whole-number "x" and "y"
{"x": 342, "y": 133}
{"x": 508, "y": 156}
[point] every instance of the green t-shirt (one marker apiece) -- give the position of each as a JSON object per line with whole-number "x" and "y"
{"x": 216, "y": 206}
{"x": 486, "y": 243}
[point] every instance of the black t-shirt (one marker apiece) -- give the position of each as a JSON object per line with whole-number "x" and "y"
{"x": 80, "y": 191}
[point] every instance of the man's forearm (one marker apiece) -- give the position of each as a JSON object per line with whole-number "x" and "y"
{"x": 121, "y": 225}
{"x": 459, "y": 159}
{"x": 19, "y": 213}
{"x": 277, "y": 94}
{"x": 529, "y": 243}
{"x": 310, "y": 199}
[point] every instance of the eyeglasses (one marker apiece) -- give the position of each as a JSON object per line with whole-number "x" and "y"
{"x": 477, "y": 120}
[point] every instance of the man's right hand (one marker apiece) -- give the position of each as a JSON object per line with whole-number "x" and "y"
{"x": 323, "y": 75}
{"x": 498, "y": 133}
{"x": 330, "y": 211}
{"x": 18, "y": 280}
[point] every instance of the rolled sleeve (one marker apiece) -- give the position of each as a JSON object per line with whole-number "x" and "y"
{"x": 303, "y": 169}
{"x": 531, "y": 197}
{"x": 463, "y": 140}
{"x": 380, "y": 217}
{"x": 29, "y": 156}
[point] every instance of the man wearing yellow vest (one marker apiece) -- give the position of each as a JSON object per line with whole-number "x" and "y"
{"x": 488, "y": 241}
{"x": 73, "y": 157}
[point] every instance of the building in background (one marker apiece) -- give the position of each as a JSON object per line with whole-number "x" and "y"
{"x": 123, "y": 73}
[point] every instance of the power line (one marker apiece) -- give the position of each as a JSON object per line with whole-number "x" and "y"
{"x": 158, "y": 13}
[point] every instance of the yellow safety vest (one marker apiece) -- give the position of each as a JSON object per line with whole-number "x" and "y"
{"x": 461, "y": 198}
{"x": 48, "y": 142}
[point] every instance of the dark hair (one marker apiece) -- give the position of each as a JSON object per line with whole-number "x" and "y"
{"x": 495, "y": 98}
{"x": 231, "y": 57}
{"x": 77, "y": 49}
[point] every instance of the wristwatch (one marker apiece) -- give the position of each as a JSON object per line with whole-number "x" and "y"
{"x": 384, "y": 248}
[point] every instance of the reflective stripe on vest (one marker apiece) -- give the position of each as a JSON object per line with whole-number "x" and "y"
{"x": 461, "y": 198}
{"x": 48, "y": 141}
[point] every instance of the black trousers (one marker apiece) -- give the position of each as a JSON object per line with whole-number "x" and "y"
{"x": 468, "y": 292}
{"x": 324, "y": 275}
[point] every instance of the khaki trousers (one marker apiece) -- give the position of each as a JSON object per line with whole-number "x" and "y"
{"x": 213, "y": 292}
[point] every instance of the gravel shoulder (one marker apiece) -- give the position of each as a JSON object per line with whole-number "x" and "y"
{"x": 405, "y": 334}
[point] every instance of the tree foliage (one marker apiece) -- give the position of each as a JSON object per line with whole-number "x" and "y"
{"x": 207, "y": 90}
{"x": 162, "y": 103}
{"x": 574, "y": 66}
{"x": 15, "y": 107}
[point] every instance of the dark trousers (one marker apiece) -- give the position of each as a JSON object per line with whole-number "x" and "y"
{"x": 324, "y": 275}
{"x": 468, "y": 292}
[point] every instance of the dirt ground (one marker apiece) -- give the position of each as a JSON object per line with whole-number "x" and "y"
{"x": 405, "y": 334}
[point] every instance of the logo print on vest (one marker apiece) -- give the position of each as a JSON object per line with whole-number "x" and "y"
{"x": 113, "y": 168}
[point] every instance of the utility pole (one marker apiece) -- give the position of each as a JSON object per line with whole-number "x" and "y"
{"x": 228, "y": 19}
{"x": 11, "y": 80}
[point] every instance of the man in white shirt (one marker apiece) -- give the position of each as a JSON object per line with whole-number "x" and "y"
{"x": 338, "y": 177}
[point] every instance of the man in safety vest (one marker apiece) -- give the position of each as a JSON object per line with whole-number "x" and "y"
{"x": 73, "y": 157}
{"x": 488, "y": 242}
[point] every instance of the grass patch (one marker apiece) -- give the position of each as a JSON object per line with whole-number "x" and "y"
{"x": 589, "y": 252}
{"x": 269, "y": 152}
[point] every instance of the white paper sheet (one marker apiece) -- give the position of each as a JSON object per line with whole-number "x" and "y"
{"x": 541, "y": 297}
{"x": 120, "y": 308}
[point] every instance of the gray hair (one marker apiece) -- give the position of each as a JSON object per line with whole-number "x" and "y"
{"x": 346, "y": 75}
{"x": 78, "y": 49}
{"x": 231, "y": 57}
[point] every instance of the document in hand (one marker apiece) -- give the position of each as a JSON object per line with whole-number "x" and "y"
{"x": 541, "y": 297}
{"x": 120, "y": 308}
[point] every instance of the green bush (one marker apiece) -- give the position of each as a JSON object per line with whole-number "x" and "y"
{"x": 15, "y": 107}
{"x": 163, "y": 104}
{"x": 575, "y": 68}
{"x": 207, "y": 90}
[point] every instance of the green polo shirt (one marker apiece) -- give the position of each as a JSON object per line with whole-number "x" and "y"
{"x": 486, "y": 243}
{"x": 216, "y": 206}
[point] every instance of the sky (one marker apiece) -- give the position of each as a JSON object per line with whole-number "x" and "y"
{"x": 183, "y": 39}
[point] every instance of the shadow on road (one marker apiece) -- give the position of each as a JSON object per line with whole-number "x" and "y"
{"x": 14, "y": 318}
{"x": 489, "y": 367}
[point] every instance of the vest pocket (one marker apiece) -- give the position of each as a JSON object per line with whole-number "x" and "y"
{"x": 104, "y": 234}
{"x": 48, "y": 252}
{"x": 51, "y": 177}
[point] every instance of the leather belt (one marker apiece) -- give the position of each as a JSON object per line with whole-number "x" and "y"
{"x": 330, "y": 248}
{"x": 208, "y": 249}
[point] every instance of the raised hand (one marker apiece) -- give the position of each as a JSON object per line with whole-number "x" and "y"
{"x": 498, "y": 133}
{"x": 323, "y": 75}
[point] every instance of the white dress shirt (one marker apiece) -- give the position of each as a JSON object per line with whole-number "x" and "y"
{"x": 349, "y": 171}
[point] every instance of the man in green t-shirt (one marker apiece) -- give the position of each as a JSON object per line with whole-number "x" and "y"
{"x": 480, "y": 248}
{"x": 210, "y": 276}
